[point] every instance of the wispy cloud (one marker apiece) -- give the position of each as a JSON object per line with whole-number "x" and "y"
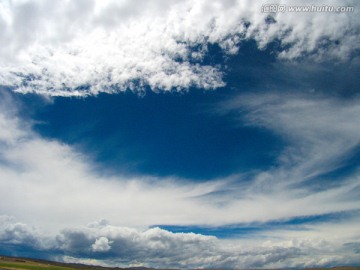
{"x": 37, "y": 170}
{"x": 81, "y": 48}
{"x": 49, "y": 184}
{"x": 321, "y": 132}
{"x": 320, "y": 135}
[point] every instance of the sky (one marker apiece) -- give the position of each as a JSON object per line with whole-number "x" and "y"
{"x": 180, "y": 134}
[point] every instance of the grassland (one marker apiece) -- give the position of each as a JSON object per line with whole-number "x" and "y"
{"x": 6, "y": 263}
{"x": 13, "y": 263}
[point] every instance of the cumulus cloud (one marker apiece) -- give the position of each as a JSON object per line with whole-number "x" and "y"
{"x": 18, "y": 234}
{"x": 15, "y": 233}
{"x": 156, "y": 247}
{"x": 86, "y": 47}
{"x": 101, "y": 244}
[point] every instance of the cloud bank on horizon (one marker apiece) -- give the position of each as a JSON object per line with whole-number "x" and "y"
{"x": 104, "y": 244}
{"x": 80, "y": 48}
{"x": 300, "y": 209}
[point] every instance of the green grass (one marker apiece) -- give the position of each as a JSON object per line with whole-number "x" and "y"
{"x": 31, "y": 266}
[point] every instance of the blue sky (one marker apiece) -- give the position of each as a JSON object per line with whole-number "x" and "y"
{"x": 142, "y": 133}
{"x": 160, "y": 134}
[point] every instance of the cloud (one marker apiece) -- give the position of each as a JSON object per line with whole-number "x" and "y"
{"x": 15, "y": 233}
{"x": 86, "y": 47}
{"x": 83, "y": 48}
{"x": 321, "y": 132}
{"x": 51, "y": 185}
{"x": 156, "y": 247}
{"x": 34, "y": 170}
{"x": 18, "y": 236}
{"x": 153, "y": 246}
{"x": 317, "y": 144}
{"x": 101, "y": 244}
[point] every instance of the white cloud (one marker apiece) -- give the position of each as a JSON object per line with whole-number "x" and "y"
{"x": 85, "y": 47}
{"x": 34, "y": 171}
{"x": 321, "y": 132}
{"x": 309, "y": 246}
{"x": 50, "y": 185}
{"x": 321, "y": 135}
{"x": 102, "y": 244}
